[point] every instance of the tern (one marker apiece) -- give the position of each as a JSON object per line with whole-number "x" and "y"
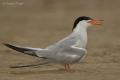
{"x": 69, "y": 50}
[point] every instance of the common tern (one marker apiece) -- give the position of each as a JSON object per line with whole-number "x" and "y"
{"x": 69, "y": 50}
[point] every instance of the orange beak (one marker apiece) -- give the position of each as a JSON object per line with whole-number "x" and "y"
{"x": 95, "y": 22}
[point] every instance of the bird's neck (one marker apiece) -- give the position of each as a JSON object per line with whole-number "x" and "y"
{"x": 81, "y": 33}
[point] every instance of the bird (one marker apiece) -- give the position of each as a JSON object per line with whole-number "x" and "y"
{"x": 67, "y": 51}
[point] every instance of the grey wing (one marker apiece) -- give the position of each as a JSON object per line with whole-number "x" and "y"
{"x": 37, "y": 52}
{"x": 68, "y": 56}
{"x": 64, "y": 43}
{"x": 71, "y": 55}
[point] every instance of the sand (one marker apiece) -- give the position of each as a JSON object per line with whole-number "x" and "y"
{"x": 39, "y": 23}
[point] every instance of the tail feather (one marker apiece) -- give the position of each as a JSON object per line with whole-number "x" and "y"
{"x": 41, "y": 62}
{"x": 22, "y": 49}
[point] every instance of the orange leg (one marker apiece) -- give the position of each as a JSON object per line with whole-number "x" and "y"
{"x": 67, "y": 67}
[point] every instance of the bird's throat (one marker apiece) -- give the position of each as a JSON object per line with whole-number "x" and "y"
{"x": 81, "y": 34}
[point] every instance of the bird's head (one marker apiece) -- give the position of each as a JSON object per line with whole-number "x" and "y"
{"x": 85, "y": 21}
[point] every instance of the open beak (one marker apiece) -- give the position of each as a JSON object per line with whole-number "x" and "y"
{"x": 95, "y": 22}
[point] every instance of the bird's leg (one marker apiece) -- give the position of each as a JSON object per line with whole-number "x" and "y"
{"x": 67, "y": 67}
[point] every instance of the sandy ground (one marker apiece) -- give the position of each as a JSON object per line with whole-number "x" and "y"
{"x": 39, "y": 23}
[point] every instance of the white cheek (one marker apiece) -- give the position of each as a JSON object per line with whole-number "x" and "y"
{"x": 89, "y": 24}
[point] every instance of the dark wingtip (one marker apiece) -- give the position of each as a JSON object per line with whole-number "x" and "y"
{"x": 15, "y": 47}
{"x": 6, "y": 44}
{"x": 20, "y": 49}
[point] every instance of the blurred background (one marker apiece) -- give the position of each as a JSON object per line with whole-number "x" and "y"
{"x": 39, "y": 23}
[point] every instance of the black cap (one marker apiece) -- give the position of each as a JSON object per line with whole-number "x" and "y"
{"x": 80, "y": 19}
